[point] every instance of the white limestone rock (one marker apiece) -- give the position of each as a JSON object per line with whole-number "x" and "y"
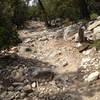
{"x": 96, "y": 30}
{"x": 93, "y": 76}
{"x": 92, "y": 26}
{"x": 70, "y": 31}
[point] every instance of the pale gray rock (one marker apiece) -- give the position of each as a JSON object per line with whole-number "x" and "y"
{"x": 13, "y": 50}
{"x": 64, "y": 61}
{"x": 98, "y": 18}
{"x": 76, "y": 37}
{"x": 27, "y": 40}
{"x": 96, "y": 33}
{"x": 93, "y": 76}
{"x": 11, "y": 88}
{"x": 19, "y": 88}
{"x": 33, "y": 84}
{"x": 92, "y": 26}
{"x": 17, "y": 84}
{"x": 10, "y": 95}
{"x": 96, "y": 36}
{"x": 90, "y": 51}
{"x": 70, "y": 31}
{"x": 17, "y": 74}
{"x": 27, "y": 88}
{"x": 82, "y": 46}
{"x": 96, "y": 30}
{"x": 43, "y": 38}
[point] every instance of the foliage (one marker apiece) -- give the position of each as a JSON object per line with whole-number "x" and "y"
{"x": 20, "y": 11}
{"x": 61, "y": 9}
{"x": 65, "y": 9}
{"x": 8, "y": 33}
{"x": 93, "y": 16}
{"x": 95, "y": 43}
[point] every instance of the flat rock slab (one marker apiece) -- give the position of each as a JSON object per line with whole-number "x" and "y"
{"x": 92, "y": 26}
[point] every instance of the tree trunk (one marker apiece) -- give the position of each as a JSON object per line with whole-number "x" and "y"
{"x": 44, "y": 13}
{"x": 81, "y": 34}
{"x": 84, "y": 9}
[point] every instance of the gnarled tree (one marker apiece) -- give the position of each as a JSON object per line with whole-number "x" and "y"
{"x": 83, "y": 5}
{"x": 45, "y": 16}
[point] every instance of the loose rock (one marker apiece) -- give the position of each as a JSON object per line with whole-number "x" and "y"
{"x": 93, "y": 76}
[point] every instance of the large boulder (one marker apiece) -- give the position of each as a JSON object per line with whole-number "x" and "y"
{"x": 90, "y": 51}
{"x": 93, "y": 76}
{"x": 96, "y": 36}
{"x": 96, "y": 30}
{"x": 98, "y": 18}
{"x": 92, "y": 26}
{"x": 70, "y": 31}
{"x": 96, "y": 33}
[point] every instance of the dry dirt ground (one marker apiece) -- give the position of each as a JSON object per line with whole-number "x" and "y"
{"x": 54, "y": 51}
{"x": 59, "y": 52}
{"x": 63, "y": 58}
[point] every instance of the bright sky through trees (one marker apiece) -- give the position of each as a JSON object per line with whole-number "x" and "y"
{"x": 31, "y": 3}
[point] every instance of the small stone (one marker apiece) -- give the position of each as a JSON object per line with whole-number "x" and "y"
{"x": 33, "y": 85}
{"x": 43, "y": 39}
{"x": 82, "y": 46}
{"x": 85, "y": 60}
{"x": 76, "y": 37}
{"x": 10, "y": 95}
{"x": 27, "y": 88}
{"x": 28, "y": 40}
{"x": 23, "y": 95}
{"x": 17, "y": 84}
{"x": 93, "y": 76}
{"x": 17, "y": 74}
{"x": 18, "y": 88}
{"x": 64, "y": 61}
{"x": 11, "y": 88}
{"x": 26, "y": 81}
{"x": 26, "y": 99}
{"x": 13, "y": 50}
{"x": 17, "y": 94}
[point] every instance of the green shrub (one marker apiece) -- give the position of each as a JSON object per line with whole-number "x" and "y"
{"x": 8, "y": 37}
{"x": 96, "y": 44}
{"x": 93, "y": 16}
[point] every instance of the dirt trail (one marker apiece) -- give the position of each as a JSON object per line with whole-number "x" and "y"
{"x": 62, "y": 54}
{"x": 73, "y": 56}
{"x": 54, "y": 51}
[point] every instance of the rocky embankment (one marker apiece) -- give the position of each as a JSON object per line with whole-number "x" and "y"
{"x": 47, "y": 65}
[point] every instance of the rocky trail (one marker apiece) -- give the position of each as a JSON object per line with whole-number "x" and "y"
{"x": 45, "y": 66}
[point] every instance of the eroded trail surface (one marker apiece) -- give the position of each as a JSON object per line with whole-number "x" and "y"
{"x": 46, "y": 47}
{"x": 46, "y": 67}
